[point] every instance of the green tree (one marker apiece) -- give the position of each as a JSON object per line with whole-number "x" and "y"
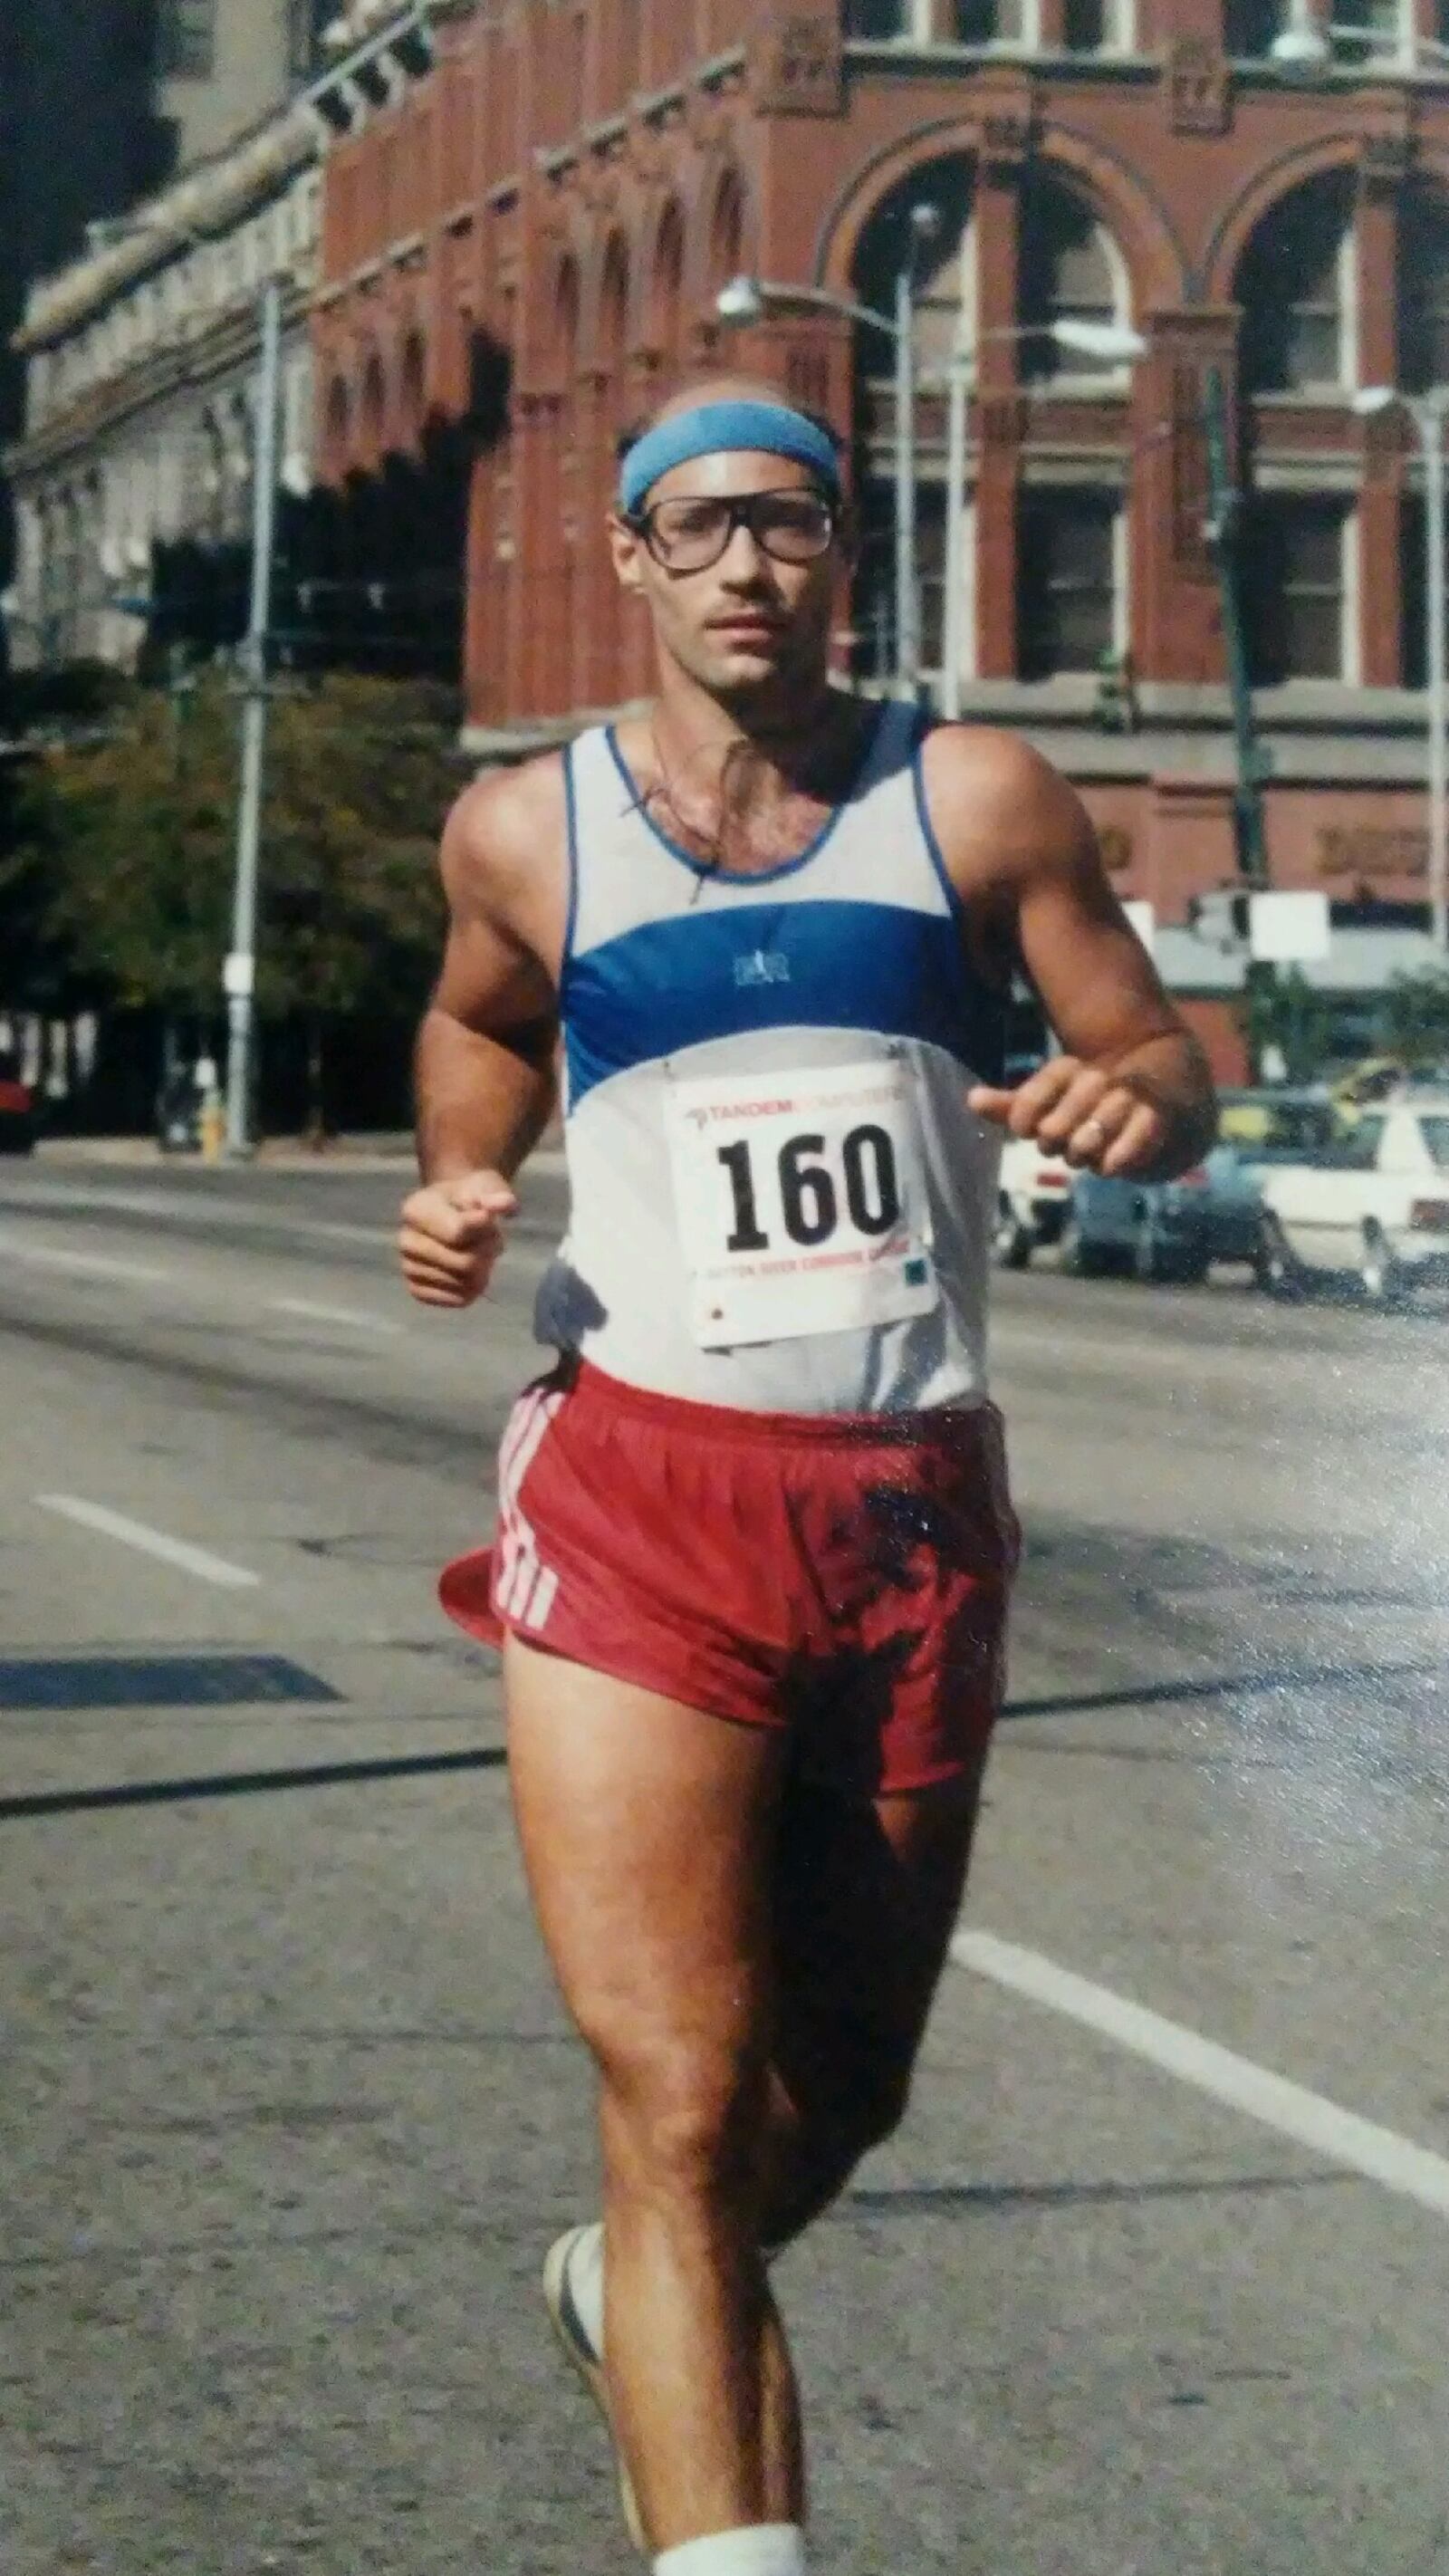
{"x": 359, "y": 780}
{"x": 132, "y": 838}
{"x": 1282, "y": 1010}
{"x": 1416, "y": 1020}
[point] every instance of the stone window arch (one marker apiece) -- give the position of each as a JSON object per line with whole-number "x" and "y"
{"x": 1296, "y": 284}
{"x": 1071, "y": 270}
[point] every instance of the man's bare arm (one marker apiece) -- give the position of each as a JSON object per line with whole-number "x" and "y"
{"x": 1131, "y": 1092}
{"x": 484, "y": 1062}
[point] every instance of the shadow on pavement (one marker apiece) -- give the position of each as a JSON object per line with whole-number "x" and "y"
{"x": 921, "y": 2199}
{"x": 244, "y": 1784}
{"x": 1261, "y": 1678}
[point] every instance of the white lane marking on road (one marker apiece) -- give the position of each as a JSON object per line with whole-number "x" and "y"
{"x": 1361, "y": 2145}
{"x": 174, "y": 1551}
{"x": 46, "y": 1256}
{"x": 314, "y": 1313}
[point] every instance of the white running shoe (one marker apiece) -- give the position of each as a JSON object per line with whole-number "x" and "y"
{"x": 577, "y": 2343}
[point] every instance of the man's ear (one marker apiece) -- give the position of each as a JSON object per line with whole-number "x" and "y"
{"x": 626, "y": 547}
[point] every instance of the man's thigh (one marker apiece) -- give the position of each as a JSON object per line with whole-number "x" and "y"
{"x": 647, "y": 1829}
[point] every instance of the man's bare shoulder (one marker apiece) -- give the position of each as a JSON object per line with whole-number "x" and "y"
{"x": 507, "y": 831}
{"x": 997, "y": 806}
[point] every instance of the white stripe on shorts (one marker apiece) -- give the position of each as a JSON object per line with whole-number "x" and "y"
{"x": 526, "y": 1587}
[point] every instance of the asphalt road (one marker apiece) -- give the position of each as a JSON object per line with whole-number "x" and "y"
{"x": 289, "y": 2111}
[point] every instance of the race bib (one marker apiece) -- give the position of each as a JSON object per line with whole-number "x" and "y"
{"x": 801, "y": 1202}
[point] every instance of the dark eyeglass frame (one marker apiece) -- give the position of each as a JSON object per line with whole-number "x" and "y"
{"x": 739, "y": 511}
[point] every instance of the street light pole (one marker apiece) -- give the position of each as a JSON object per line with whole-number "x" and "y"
{"x": 1429, "y": 414}
{"x": 908, "y": 594}
{"x": 1223, "y": 531}
{"x": 239, "y": 971}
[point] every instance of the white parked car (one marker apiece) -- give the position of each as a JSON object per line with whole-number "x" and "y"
{"x": 1376, "y": 1203}
{"x": 1036, "y": 1194}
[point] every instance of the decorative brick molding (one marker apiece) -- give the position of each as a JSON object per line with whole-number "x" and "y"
{"x": 798, "y": 66}
{"x": 1199, "y": 89}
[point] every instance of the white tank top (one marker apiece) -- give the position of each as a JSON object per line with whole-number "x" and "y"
{"x": 780, "y": 1200}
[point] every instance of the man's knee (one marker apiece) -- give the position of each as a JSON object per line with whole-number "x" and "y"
{"x": 680, "y": 2113}
{"x": 829, "y": 2126}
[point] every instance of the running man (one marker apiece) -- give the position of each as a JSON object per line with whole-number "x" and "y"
{"x": 754, "y": 1544}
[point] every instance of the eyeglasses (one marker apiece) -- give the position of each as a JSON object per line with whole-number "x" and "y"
{"x": 688, "y": 535}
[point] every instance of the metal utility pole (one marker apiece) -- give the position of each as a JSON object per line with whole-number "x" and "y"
{"x": 908, "y": 620}
{"x": 239, "y": 972}
{"x": 1223, "y": 530}
{"x": 1429, "y": 416}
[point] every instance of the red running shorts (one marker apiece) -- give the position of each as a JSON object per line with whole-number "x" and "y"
{"x": 844, "y": 1580}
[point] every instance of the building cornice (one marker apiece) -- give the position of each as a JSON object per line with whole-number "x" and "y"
{"x": 179, "y": 366}
{"x": 204, "y": 204}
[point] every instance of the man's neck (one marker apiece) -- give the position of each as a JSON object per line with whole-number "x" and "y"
{"x": 788, "y": 745}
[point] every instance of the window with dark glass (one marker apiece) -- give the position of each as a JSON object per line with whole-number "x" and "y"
{"x": 1414, "y": 592}
{"x": 986, "y": 22}
{"x": 1086, "y": 27}
{"x": 1366, "y": 30}
{"x": 1251, "y": 26}
{"x": 1066, "y": 581}
{"x": 880, "y": 19}
{"x": 1424, "y": 293}
{"x": 308, "y": 19}
{"x": 1290, "y": 286}
{"x": 187, "y": 39}
{"x": 1066, "y": 276}
{"x": 1293, "y": 592}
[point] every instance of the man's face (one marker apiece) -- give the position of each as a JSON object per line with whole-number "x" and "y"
{"x": 745, "y": 623}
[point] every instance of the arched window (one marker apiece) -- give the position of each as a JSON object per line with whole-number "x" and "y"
{"x": 566, "y": 320}
{"x": 941, "y": 264}
{"x": 1423, "y": 268}
{"x": 374, "y": 405}
{"x": 727, "y": 232}
{"x": 614, "y": 303}
{"x": 669, "y": 282}
{"x": 1295, "y": 284}
{"x": 414, "y": 382}
{"x": 338, "y": 421}
{"x": 1071, "y": 271}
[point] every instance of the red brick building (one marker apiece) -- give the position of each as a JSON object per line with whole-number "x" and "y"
{"x": 531, "y": 206}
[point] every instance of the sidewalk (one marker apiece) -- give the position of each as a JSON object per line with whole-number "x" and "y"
{"x": 388, "y": 1151}
{"x": 367, "y": 1153}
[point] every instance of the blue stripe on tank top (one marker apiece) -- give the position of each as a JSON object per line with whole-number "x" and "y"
{"x": 877, "y": 967}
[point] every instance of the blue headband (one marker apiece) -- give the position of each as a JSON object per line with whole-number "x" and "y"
{"x": 716, "y": 426}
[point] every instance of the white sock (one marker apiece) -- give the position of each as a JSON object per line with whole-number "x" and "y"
{"x": 762, "y": 2549}
{"x": 586, "y": 2283}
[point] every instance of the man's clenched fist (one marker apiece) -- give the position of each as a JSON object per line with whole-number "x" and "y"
{"x": 451, "y": 1236}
